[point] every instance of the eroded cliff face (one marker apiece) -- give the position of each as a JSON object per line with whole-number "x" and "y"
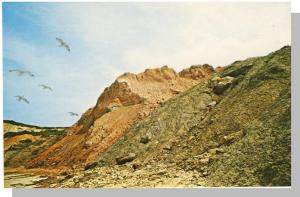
{"x": 232, "y": 130}
{"x": 128, "y": 100}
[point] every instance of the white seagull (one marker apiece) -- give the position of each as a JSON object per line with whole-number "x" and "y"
{"x": 22, "y": 72}
{"x": 45, "y": 87}
{"x": 22, "y": 98}
{"x": 63, "y": 44}
{"x": 73, "y": 114}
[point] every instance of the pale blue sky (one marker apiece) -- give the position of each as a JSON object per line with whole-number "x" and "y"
{"x": 107, "y": 39}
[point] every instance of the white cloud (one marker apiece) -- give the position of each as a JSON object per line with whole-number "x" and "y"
{"x": 178, "y": 34}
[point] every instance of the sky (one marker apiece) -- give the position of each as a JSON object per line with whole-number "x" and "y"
{"x": 108, "y": 39}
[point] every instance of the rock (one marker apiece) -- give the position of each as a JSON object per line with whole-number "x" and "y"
{"x": 203, "y": 168}
{"x": 168, "y": 147}
{"x": 145, "y": 139}
{"x": 205, "y": 161}
{"x": 222, "y": 84}
{"x": 212, "y": 104}
{"x": 90, "y": 166}
{"x": 69, "y": 176}
{"x": 232, "y": 137}
{"x": 124, "y": 159}
{"x": 216, "y": 151}
{"x": 76, "y": 180}
{"x": 198, "y": 156}
{"x": 135, "y": 166}
{"x": 162, "y": 172}
{"x": 191, "y": 137}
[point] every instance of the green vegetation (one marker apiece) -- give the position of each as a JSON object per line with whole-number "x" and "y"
{"x": 44, "y": 134}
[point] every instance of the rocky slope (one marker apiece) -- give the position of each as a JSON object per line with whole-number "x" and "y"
{"x": 127, "y": 101}
{"x": 231, "y": 130}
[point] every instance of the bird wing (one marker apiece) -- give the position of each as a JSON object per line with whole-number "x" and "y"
{"x": 46, "y": 87}
{"x": 60, "y": 40}
{"x": 63, "y": 44}
{"x": 30, "y": 73}
{"x": 24, "y": 99}
{"x": 20, "y": 72}
{"x": 73, "y": 114}
{"x": 67, "y": 47}
{"x": 27, "y": 72}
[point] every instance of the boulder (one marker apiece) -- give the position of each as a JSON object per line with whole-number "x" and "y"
{"x": 90, "y": 166}
{"x": 136, "y": 166}
{"x": 145, "y": 139}
{"x": 228, "y": 139}
{"x": 212, "y": 104}
{"x": 167, "y": 147}
{"x": 220, "y": 85}
{"x": 124, "y": 159}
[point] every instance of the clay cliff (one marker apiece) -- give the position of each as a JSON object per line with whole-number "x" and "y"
{"x": 130, "y": 99}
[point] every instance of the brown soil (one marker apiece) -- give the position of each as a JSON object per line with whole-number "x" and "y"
{"x": 128, "y": 100}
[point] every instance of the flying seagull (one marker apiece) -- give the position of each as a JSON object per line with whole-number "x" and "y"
{"x": 22, "y": 72}
{"x": 45, "y": 87}
{"x": 22, "y": 98}
{"x": 73, "y": 114}
{"x": 63, "y": 44}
